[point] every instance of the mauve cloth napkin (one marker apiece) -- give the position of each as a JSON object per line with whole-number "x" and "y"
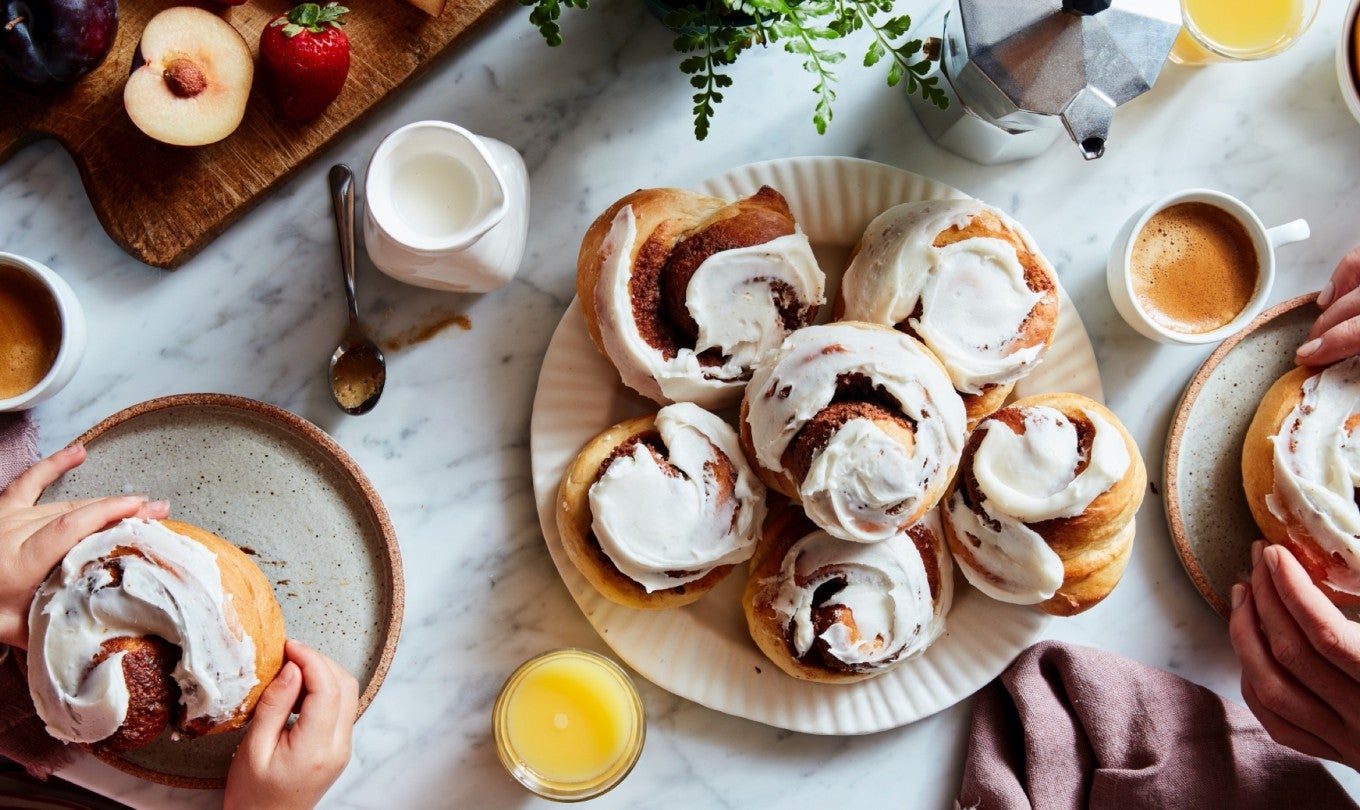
{"x": 1067, "y": 726}
{"x": 23, "y": 738}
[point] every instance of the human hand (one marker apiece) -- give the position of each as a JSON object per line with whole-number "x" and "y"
{"x": 33, "y": 539}
{"x": 283, "y": 767}
{"x": 1300, "y": 658}
{"x": 1336, "y": 333}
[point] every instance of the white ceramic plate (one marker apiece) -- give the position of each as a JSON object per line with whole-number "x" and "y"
{"x": 703, "y": 651}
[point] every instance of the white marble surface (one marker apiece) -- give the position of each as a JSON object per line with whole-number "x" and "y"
{"x": 258, "y": 311}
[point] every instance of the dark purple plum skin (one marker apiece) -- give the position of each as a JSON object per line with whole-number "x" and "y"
{"x": 48, "y": 42}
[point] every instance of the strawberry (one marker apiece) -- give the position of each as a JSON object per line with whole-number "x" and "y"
{"x": 306, "y": 58}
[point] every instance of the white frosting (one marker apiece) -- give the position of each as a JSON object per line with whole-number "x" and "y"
{"x": 1317, "y": 470}
{"x": 664, "y": 530}
{"x": 972, "y": 293}
{"x": 730, "y": 298}
{"x": 863, "y": 480}
{"x": 886, "y": 590}
{"x": 1027, "y": 479}
{"x": 172, "y": 590}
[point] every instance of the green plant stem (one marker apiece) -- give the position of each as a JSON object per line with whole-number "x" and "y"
{"x": 825, "y": 95}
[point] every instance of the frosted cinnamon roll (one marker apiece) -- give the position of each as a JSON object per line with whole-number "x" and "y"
{"x": 657, "y": 510}
{"x": 147, "y": 626}
{"x": 830, "y": 610}
{"x": 1300, "y": 468}
{"x": 685, "y": 293}
{"x": 857, "y": 422}
{"x": 965, "y": 279}
{"x": 1042, "y": 510}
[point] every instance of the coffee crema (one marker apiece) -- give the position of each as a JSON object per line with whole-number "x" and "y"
{"x": 30, "y": 331}
{"x": 1194, "y": 268}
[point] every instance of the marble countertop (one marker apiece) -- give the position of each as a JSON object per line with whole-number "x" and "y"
{"x": 258, "y": 312}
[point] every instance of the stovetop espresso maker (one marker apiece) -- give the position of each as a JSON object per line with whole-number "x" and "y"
{"x": 1019, "y": 72}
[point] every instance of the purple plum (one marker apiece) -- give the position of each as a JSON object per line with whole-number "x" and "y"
{"x": 51, "y": 42}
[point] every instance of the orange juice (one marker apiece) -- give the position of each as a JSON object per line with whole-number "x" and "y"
{"x": 569, "y": 724}
{"x": 1217, "y": 30}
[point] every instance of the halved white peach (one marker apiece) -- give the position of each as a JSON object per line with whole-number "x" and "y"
{"x": 192, "y": 88}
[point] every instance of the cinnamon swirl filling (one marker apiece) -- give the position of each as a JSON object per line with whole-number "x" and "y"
{"x": 670, "y": 506}
{"x": 134, "y": 631}
{"x": 854, "y": 608}
{"x": 966, "y": 280}
{"x": 863, "y": 422}
{"x": 1025, "y": 470}
{"x": 1316, "y": 468}
{"x": 686, "y": 309}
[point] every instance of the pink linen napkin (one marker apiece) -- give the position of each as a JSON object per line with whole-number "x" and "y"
{"x": 18, "y": 445}
{"x": 23, "y": 738}
{"x": 1067, "y": 727}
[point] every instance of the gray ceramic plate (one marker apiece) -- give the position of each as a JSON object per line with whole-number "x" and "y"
{"x": 287, "y": 494}
{"x": 1210, "y": 523}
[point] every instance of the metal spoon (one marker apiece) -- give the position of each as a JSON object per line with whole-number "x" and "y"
{"x": 357, "y": 369}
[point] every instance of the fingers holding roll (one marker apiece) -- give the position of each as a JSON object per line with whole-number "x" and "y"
{"x": 1283, "y": 705}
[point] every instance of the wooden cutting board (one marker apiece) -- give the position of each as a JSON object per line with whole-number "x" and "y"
{"x": 163, "y": 204}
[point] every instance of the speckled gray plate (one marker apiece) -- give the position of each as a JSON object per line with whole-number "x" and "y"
{"x": 287, "y": 494}
{"x": 1210, "y": 523}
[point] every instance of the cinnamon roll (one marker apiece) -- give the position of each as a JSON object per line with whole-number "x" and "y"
{"x": 657, "y": 510}
{"x": 1042, "y": 510}
{"x": 857, "y": 422}
{"x": 685, "y": 293}
{"x": 965, "y": 279}
{"x": 830, "y": 610}
{"x": 1300, "y": 466}
{"x": 147, "y": 626}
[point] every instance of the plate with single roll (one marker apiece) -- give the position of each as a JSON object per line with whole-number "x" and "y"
{"x": 1206, "y": 505}
{"x": 292, "y": 500}
{"x": 704, "y": 651}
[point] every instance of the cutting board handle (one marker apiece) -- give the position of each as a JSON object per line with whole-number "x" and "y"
{"x": 11, "y": 138}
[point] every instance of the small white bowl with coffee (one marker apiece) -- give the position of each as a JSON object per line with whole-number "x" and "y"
{"x": 1195, "y": 266}
{"x": 42, "y": 333}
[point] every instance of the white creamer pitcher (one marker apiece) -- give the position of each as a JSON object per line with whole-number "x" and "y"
{"x": 445, "y": 208}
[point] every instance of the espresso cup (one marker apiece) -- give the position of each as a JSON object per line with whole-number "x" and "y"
{"x": 1215, "y": 248}
{"x": 50, "y": 333}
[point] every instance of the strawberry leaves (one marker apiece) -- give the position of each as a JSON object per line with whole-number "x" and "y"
{"x": 311, "y": 17}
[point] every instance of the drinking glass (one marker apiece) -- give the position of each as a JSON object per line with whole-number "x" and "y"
{"x": 1234, "y": 30}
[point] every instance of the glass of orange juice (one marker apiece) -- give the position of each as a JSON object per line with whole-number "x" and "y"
{"x": 569, "y": 724}
{"x": 1236, "y": 30}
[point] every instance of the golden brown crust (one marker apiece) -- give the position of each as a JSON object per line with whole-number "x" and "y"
{"x": 256, "y": 609}
{"x": 154, "y": 696}
{"x": 786, "y": 524}
{"x": 676, "y": 231}
{"x": 783, "y": 483}
{"x": 1095, "y": 545}
{"x": 578, "y": 539}
{"x": 1258, "y": 478}
{"x": 1038, "y": 328}
{"x": 664, "y": 216}
{"x": 856, "y": 396}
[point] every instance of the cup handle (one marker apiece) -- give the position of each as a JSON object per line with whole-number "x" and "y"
{"x": 1285, "y": 234}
